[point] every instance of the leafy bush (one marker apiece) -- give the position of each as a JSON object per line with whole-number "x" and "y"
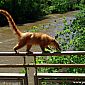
{"x": 74, "y": 33}
{"x": 24, "y": 11}
{"x": 62, "y": 6}
{"x": 73, "y": 39}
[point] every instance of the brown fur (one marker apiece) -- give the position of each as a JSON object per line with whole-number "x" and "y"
{"x": 29, "y": 38}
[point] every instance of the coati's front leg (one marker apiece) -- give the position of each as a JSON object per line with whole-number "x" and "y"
{"x": 15, "y": 48}
{"x": 49, "y": 48}
{"x": 20, "y": 44}
{"x": 43, "y": 49}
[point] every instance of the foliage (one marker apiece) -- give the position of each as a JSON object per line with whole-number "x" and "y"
{"x": 61, "y": 60}
{"x": 74, "y": 34}
{"x": 24, "y": 11}
{"x": 76, "y": 39}
{"x": 62, "y": 6}
{"x": 73, "y": 39}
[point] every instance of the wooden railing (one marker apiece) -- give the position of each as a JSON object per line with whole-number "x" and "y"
{"x": 35, "y": 54}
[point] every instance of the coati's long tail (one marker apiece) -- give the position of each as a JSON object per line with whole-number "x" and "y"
{"x": 11, "y": 22}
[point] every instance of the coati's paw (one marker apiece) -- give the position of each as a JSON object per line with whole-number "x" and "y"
{"x": 46, "y": 52}
{"x": 57, "y": 52}
{"x": 29, "y": 52}
{"x": 16, "y": 52}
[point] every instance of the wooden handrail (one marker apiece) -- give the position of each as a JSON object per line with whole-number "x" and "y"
{"x": 42, "y": 54}
{"x": 24, "y": 65}
{"x": 5, "y": 54}
{"x": 42, "y": 65}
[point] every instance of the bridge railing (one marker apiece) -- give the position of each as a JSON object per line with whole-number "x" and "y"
{"x": 35, "y": 54}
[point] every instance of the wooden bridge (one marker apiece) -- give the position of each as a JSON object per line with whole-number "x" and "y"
{"x": 23, "y": 78}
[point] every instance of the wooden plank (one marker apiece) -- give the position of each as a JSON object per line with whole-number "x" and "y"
{"x": 70, "y": 75}
{"x": 12, "y": 75}
{"x": 42, "y": 65}
{"x": 43, "y": 54}
{"x": 61, "y": 65}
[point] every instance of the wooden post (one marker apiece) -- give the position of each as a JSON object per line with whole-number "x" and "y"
{"x": 35, "y": 75}
{"x": 26, "y": 73}
{"x": 31, "y": 70}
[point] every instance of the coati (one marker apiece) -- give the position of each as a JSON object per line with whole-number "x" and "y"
{"x": 30, "y": 38}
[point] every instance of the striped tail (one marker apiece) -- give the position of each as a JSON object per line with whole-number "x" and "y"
{"x": 11, "y": 22}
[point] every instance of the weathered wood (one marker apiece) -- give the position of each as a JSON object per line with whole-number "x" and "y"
{"x": 42, "y": 54}
{"x": 70, "y": 75}
{"x": 21, "y": 54}
{"x": 14, "y": 75}
{"x": 42, "y": 65}
{"x": 60, "y": 65}
{"x": 61, "y": 77}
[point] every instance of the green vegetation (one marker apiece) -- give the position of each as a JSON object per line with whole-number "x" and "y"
{"x": 73, "y": 34}
{"x": 62, "y": 6}
{"x": 24, "y": 10}
{"x": 73, "y": 39}
{"x": 30, "y": 10}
